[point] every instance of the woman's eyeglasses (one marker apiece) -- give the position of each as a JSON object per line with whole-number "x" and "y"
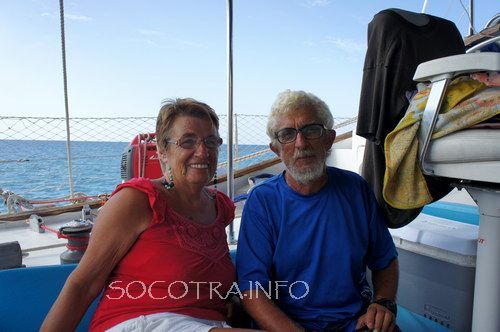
{"x": 289, "y": 135}
{"x": 192, "y": 142}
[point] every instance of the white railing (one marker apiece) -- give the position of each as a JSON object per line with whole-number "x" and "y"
{"x": 33, "y": 152}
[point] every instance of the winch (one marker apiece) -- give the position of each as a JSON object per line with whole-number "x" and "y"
{"x": 78, "y": 233}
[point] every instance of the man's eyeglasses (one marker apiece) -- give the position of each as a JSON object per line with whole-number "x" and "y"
{"x": 192, "y": 142}
{"x": 289, "y": 135}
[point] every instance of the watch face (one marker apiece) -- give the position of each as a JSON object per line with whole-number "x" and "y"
{"x": 389, "y": 304}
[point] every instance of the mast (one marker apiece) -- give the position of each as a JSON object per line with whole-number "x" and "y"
{"x": 230, "y": 170}
{"x": 471, "y": 17}
{"x": 424, "y": 7}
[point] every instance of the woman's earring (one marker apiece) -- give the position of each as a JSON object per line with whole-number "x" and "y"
{"x": 170, "y": 184}
{"x": 215, "y": 179}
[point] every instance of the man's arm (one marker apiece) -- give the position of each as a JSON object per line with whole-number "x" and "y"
{"x": 385, "y": 281}
{"x": 385, "y": 284}
{"x": 254, "y": 262}
{"x": 265, "y": 312}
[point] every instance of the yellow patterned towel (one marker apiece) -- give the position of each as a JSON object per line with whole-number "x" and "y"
{"x": 404, "y": 183}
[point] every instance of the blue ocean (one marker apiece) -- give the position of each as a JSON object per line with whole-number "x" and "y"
{"x": 39, "y": 169}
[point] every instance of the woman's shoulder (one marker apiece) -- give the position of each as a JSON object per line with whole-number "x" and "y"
{"x": 224, "y": 203}
{"x": 146, "y": 191}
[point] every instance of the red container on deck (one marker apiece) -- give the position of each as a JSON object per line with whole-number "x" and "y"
{"x": 140, "y": 158}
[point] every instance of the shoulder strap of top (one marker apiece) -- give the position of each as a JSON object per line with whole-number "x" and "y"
{"x": 225, "y": 204}
{"x": 142, "y": 184}
{"x": 146, "y": 186}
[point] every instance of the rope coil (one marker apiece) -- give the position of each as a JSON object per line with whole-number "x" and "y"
{"x": 74, "y": 242}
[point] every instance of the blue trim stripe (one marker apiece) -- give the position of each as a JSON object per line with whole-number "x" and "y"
{"x": 454, "y": 211}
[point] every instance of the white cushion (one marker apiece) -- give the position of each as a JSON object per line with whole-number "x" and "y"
{"x": 471, "y": 154}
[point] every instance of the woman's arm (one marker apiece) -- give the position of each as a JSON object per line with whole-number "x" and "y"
{"x": 120, "y": 222}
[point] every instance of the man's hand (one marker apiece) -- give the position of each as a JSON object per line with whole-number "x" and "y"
{"x": 377, "y": 318}
{"x": 267, "y": 314}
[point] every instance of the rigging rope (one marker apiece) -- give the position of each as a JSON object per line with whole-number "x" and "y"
{"x": 71, "y": 199}
{"x": 66, "y": 104}
{"x": 16, "y": 203}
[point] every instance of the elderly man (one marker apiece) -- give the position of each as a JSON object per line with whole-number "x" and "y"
{"x": 307, "y": 235}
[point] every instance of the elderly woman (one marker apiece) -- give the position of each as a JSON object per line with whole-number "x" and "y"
{"x": 159, "y": 247}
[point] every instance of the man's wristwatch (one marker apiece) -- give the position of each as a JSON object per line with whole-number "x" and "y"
{"x": 389, "y": 304}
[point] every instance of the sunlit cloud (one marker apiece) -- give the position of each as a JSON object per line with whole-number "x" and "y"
{"x": 345, "y": 45}
{"x": 147, "y": 32}
{"x": 308, "y": 43}
{"x": 53, "y": 15}
{"x": 321, "y": 60}
{"x": 257, "y": 18}
{"x": 157, "y": 38}
{"x": 166, "y": 42}
{"x": 78, "y": 18}
{"x": 143, "y": 41}
{"x": 69, "y": 17}
{"x": 315, "y": 3}
{"x": 187, "y": 43}
{"x": 361, "y": 20}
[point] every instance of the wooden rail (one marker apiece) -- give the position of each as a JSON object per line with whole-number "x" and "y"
{"x": 56, "y": 210}
{"x": 49, "y": 211}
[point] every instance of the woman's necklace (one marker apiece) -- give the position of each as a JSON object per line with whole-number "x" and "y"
{"x": 209, "y": 194}
{"x": 187, "y": 213}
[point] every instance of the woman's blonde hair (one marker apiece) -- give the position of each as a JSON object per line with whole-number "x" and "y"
{"x": 172, "y": 109}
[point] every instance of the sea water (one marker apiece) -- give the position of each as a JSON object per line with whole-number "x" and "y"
{"x": 38, "y": 170}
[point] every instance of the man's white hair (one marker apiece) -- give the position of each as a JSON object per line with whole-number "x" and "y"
{"x": 289, "y": 101}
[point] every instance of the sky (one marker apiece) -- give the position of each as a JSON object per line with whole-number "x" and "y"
{"x": 124, "y": 57}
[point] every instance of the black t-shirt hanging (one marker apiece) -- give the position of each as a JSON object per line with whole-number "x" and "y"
{"x": 395, "y": 48}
